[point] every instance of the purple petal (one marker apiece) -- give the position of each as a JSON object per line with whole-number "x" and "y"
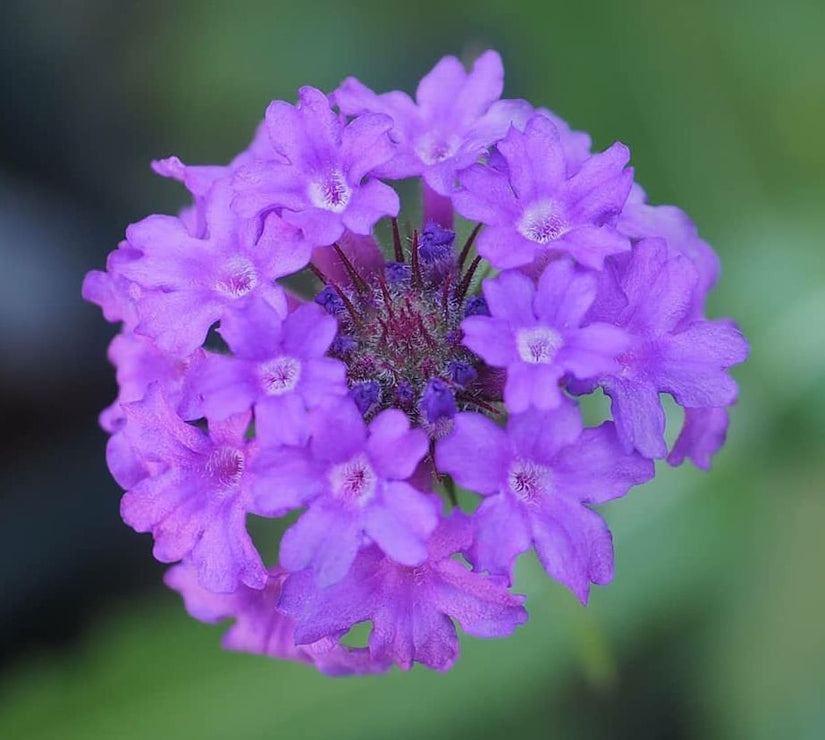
{"x": 308, "y": 331}
{"x": 254, "y": 333}
{"x": 286, "y": 479}
{"x": 476, "y": 454}
{"x": 401, "y": 523}
{"x": 596, "y": 468}
{"x": 483, "y": 607}
{"x": 505, "y": 248}
{"x": 574, "y": 545}
{"x": 282, "y": 420}
{"x": 365, "y": 145}
{"x": 325, "y": 538}
{"x": 535, "y": 159}
{"x": 601, "y": 186}
{"x": 564, "y": 294}
{"x": 539, "y": 435}
{"x": 171, "y": 258}
{"x": 501, "y": 535}
{"x": 692, "y": 364}
{"x": 589, "y": 244}
{"x": 438, "y": 89}
{"x": 222, "y": 386}
{"x": 394, "y": 449}
{"x": 225, "y": 554}
{"x": 483, "y": 85}
{"x": 592, "y": 351}
{"x": 486, "y": 196}
{"x": 371, "y": 202}
{"x": 322, "y": 612}
{"x": 321, "y": 379}
{"x": 703, "y": 434}
{"x": 639, "y": 416}
{"x": 527, "y": 385}
{"x": 160, "y": 319}
{"x": 284, "y": 249}
{"x": 491, "y": 339}
{"x": 510, "y": 297}
{"x": 659, "y": 290}
{"x": 320, "y": 227}
{"x": 338, "y": 431}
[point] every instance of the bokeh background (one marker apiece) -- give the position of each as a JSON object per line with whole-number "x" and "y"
{"x": 714, "y": 625}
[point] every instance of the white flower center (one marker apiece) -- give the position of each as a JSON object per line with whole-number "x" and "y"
{"x": 541, "y": 222}
{"x": 354, "y": 481}
{"x": 538, "y": 344}
{"x": 433, "y": 149}
{"x": 330, "y": 192}
{"x": 226, "y": 465}
{"x": 280, "y": 375}
{"x": 239, "y": 277}
{"x": 528, "y": 480}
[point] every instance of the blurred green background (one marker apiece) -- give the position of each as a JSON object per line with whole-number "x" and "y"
{"x": 713, "y": 627}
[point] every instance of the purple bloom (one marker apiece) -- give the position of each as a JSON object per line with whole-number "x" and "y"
{"x": 535, "y": 206}
{"x": 261, "y": 628}
{"x": 318, "y": 174}
{"x": 410, "y": 607}
{"x": 201, "y": 279}
{"x": 272, "y": 361}
{"x": 536, "y": 333}
{"x": 353, "y": 478}
{"x": 669, "y": 352}
{"x": 455, "y": 117}
{"x": 194, "y": 491}
{"x": 279, "y": 366}
{"x": 537, "y": 477}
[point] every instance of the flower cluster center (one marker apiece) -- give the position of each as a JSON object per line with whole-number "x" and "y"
{"x": 541, "y": 222}
{"x": 400, "y": 333}
{"x": 226, "y": 465}
{"x": 238, "y": 277}
{"x": 528, "y": 480}
{"x": 353, "y": 481}
{"x": 280, "y": 375}
{"x": 538, "y": 345}
{"x": 330, "y": 192}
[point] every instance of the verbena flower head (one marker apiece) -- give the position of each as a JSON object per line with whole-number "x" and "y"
{"x": 276, "y": 359}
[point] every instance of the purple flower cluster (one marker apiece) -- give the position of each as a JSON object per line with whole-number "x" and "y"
{"x": 414, "y": 411}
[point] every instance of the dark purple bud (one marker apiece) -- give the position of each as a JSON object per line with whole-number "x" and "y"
{"x": 330, "y": 301}
{"x": 404, "y": 393}
{"x": 366, "y": 395}
{"x": 475, "y": 305}
{"x": 342, "y": 344}
{"x": 397, "y": 273}
{"x": 461, "y": 373}
{"x": 437, "y": 401}
{"x": 453, "y": 338}
{"x": 435, "y": 244}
